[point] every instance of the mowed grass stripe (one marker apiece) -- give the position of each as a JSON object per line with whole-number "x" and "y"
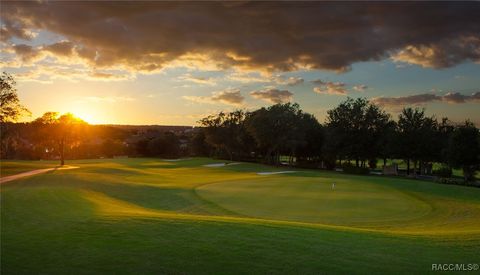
{"x": 145, "y": 216}
{"x": 353, "y": 203}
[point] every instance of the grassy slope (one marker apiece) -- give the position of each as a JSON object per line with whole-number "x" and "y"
{"x": 144, "y": 216}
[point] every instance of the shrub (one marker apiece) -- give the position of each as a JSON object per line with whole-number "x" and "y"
{"x": 443, "y": 172}
{"x": 329, "y": 164}
{"x": 307, "y": 164}
{"x": 352, "y": 169}
{"x": 372, "y": 163}
{"x": 453, "y": 181}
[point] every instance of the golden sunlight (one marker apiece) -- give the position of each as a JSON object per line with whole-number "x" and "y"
{"x": 87, "y": 113}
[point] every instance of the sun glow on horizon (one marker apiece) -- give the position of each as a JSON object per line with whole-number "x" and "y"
{"x": 87, "y": 114}
{"x": 87, "y": 118}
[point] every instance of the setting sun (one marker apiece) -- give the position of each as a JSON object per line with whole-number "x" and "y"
{"x": 87, "y": 114}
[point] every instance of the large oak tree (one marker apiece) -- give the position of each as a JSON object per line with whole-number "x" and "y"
{"x": 59, "y": 132}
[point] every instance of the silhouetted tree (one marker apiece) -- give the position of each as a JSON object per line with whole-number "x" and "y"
{"x": 416, "y": 132}
{"x": 198, "y": 144}
{"x": 141, "y": 146}
{"x": 278, "y": 129}
{"x": 10, "y": 111}
{"x": 444, "y": 132}
{"x": 387, "y": 141}
{"x": 355, "y": 130}
{"x": 377, "y": 133}
{"x": 111, "y": 147}
{"x": 225, "y": 132}
{"x": 60, "y": 131}
{"x": 10, "y": 107}
{"x": 170, "y": 145}
{"x": 312, "y": 145}
{"x": 464, "y": 149}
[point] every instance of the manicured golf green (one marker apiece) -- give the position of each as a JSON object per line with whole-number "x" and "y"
{"x": 150, "y": 216}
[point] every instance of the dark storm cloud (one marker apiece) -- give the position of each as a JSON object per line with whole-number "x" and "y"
{"x": 63, "y": 48}
{"x": 269, "y": 36}
{"x": 455, "y": 97}
{"x": 229, "y": 97}
{"x": 420, "y": 99}
{"x": 233, "y": 97}
{"x": 273, "y": 95}
{"x": 26, "y": 53}
{"x": 12, "y": 29}
{"x": 406, "y": 100}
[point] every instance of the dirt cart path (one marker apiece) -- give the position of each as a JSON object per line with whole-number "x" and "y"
{"x": 32, "y": 173}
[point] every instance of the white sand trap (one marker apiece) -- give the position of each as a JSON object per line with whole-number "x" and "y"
{"x": 221, "y": 164}
{"x": 173, "y": 160}
{"x": 273, "y": 173}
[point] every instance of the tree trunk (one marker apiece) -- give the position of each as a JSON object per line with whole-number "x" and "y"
{"x": 7, "y": 141}
{"x": 62, "y": 152}
{"x": 468, "y": 173}
{"x": 415, "y": 168}
{"x": 384, "y": 162}
{"x": 268, "y": 156}
{"x": 356, "y": 162}
{"x": 408, "y": 166}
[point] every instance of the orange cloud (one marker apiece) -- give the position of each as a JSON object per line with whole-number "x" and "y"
{"x": 273, "y": 95}
{"x": 330, "y": 88}
{"x": 442, "y": 54}
{"x": 198, "y": 79}
{"x": 421, "y": 99}
{"x": 229, "y": 97}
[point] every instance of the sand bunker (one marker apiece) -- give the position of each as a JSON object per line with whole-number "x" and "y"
{"x": 273, "y": 173}
{"x": 221, "y": 164}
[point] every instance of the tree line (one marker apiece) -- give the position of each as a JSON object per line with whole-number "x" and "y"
{"x": 59, "y": 137}
{"x": 356, "y": 134}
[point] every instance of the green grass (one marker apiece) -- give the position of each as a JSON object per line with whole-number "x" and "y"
{"x": 148, "y": 216}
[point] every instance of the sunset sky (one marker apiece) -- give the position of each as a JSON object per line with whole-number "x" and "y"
{"x": 174, "y": 63}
